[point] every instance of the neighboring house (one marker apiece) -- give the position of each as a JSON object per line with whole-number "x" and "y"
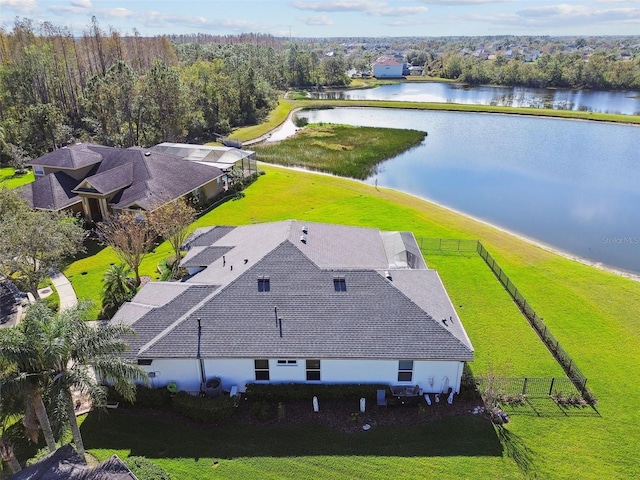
{"x": 95, "y": 180}
{"x": 225, "y": 158}
{"x": 387, "y": 67}
{"x": 66, "y": 464}
{"x": 299, "y": 302}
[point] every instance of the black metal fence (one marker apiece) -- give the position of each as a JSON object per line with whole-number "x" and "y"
{"x": 448, "y": 244}
{"x": 575, "y": 376}
{"x": 529, "y": 386}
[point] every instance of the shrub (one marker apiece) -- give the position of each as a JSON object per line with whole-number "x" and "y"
{"x": 262, "y": 410}
{"x": 202, "y": 409}
{"x": 145, "y": 397}
{"x": 302, "y": 391}
{"x": 145, "y": 469}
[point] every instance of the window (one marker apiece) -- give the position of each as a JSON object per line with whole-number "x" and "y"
{"x": 340, "y": 284}
{"x": 264, "y": 284}
{"x": 287, "y": 362}
{"x": 405, "y": 370}
{"x": 313, "y": 370}
{"x": 262, "y": 369}
{"x": 144, "y": 361}
{"x": 38, "y": 171}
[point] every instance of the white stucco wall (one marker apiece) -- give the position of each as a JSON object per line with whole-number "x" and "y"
{"x": 390, "y": 71}
{"x": 431, "y": 376}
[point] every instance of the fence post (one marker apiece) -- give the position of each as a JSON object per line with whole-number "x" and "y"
{"x": 524, "y": 386}
{"x": 551, "y": 387}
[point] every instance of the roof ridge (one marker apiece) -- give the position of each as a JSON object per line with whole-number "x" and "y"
{"x": 439, "y": 325}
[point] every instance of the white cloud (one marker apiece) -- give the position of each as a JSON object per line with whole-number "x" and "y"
{"x": 22, "y": 6}
{"x": 400, "y": 11}
{"x": 339, "y": 6}
{"x": 81, "y": 3}
{"x": 316, "y": 20}
{"x": 462, "y": 2}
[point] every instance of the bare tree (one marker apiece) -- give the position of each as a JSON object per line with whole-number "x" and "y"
{"x": 171, "y": 221}
{"x": 131, "y": 236}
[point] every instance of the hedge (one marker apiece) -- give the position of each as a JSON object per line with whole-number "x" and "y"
{"x": 304, "y": 391}
{"x": 203, "y": 409}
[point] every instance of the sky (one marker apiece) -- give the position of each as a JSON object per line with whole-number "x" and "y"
{"x": 336, "y": 18}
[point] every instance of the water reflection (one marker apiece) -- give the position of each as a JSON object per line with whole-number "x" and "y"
{"x": 570, "y": 184}
{"x": 627, "y": 103}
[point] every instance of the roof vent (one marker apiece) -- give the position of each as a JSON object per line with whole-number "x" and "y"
{"x": 387, "y": 275}
{"x": 303, "y": 238}
{"x": 147, "y": 154}
{"x": 305, "y": 230}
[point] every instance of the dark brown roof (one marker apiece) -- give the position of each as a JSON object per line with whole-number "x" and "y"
{"x": 77, "y": 156}
{"x": 143, "y": 178}
{"x": 51, "y": 192}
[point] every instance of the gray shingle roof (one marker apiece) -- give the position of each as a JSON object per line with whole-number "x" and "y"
{"x": 66, "y": 464}
{"x": 374, "y": 318}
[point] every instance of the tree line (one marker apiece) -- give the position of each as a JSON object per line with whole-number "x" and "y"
{"x": 600, "y": 71}
{"x": 130, "y": 90}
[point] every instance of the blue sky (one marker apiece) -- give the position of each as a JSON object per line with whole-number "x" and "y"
{"x": 336, "y": 18}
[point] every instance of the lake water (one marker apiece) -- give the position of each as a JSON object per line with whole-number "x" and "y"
{"x": 574, "y": 185}
{"x": 627, "y": 103}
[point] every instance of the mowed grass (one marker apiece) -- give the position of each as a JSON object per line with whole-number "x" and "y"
{"x": 343, "y": 150}
{"x": 302, "y": 452}
{"x": 9, "y": 179}
{"x": 593, "y": 313}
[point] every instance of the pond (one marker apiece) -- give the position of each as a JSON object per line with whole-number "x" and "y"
{"x": 570, "y": 184}
{"x": 626, "y": 103}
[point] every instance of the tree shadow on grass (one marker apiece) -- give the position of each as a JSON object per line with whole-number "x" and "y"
{"x": 547, "y": 407}
{"x": 516, "y": 449}
{"x": 156, "y": 437}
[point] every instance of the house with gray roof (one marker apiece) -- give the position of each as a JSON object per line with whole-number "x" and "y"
{"x": 295, "y": 301}
{"x": 95, "y": 180}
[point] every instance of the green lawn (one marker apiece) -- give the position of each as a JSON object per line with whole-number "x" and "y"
{"x": 279, "y": 115}
{"x": 593, "y": 313}
{"x": 9, "y": 179}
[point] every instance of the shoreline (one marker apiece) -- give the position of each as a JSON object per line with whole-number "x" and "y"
{"x": 549, "y": 248}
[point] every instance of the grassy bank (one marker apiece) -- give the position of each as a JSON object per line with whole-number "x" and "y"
{"x": 340, "y": 149}
{"x": 9, "y": 179}
{"x": 284, "y": 108}
{"x": 593, "y": 313}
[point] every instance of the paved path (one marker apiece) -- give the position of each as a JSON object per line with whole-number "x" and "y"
{"x": 65, "y": 291}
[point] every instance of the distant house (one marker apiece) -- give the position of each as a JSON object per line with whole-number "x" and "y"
{"x": 95, "y": 180}
{"x": 387, "y": 67}
{"x": 299, "y": 302}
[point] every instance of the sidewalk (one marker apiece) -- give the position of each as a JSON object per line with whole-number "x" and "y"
{"x": 65, "y": 291}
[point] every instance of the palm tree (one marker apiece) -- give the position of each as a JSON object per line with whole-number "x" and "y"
{"x": 118, "y": 288}
{"x": 67, "y": 353}
{"x": 21, "y": 348}
{"x": 10, "y": 408}
{"x": 81, "y": 357}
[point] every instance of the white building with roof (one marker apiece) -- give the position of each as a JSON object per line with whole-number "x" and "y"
{"x": 225, "y": 158}
{"x": 300, "y": 302}
{"x": 387, "y": 67}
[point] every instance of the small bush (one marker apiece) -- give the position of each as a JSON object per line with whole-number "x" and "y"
{"x": 202, "y": 409}
{"x": 145, "y": 469}
{"x": 262, "y": 410}
{"x": 145, "y": 397}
